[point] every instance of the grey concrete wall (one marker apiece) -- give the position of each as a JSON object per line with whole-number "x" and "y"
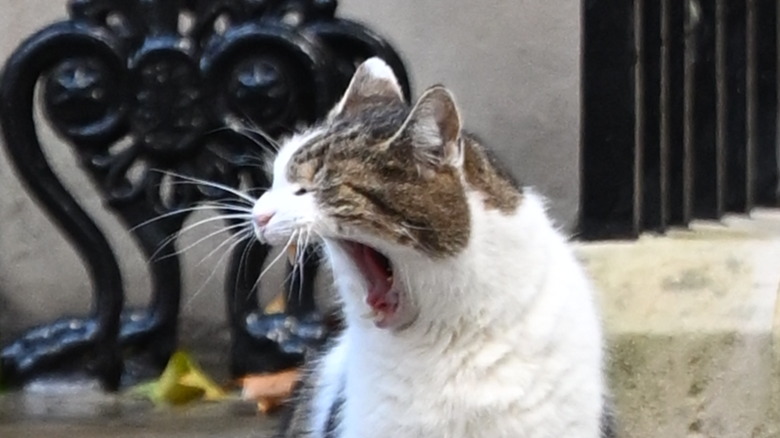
{"x": 513, "y": 65}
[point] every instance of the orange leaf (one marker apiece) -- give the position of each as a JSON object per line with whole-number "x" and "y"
{"x": 268, "y": 405}
{"x": 269, "y": 390}
{"x": 272, "y": 385}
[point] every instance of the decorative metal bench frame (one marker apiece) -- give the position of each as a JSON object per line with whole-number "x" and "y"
{"x": 135, "y": 85}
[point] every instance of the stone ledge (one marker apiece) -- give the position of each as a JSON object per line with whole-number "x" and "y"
{"x": 691, "y": 328}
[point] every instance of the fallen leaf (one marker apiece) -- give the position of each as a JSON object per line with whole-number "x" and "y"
{"x": 270, "y": 404}
{"x": 277, "y": 305}
{"x": 181, "y": 382}
{"x": 269, "y": 390}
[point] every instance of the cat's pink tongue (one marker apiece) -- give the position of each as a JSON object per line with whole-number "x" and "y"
{"x": 380, "y": 297}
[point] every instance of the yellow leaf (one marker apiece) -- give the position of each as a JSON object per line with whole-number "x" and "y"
{"x": 180, "y": 394}
{"x": 181, "y": 382}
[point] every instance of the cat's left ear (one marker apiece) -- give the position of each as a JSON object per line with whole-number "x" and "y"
{"x": 373, "y": 78}
{"x": 434, "y": 128}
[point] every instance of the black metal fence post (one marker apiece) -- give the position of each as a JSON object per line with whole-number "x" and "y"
{"x": 679, "y": 112}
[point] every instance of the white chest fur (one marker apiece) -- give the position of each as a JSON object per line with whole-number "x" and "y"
{"x": 507, "y": 342}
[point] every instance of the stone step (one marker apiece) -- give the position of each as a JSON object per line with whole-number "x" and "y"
{"x": 691, "y": 325}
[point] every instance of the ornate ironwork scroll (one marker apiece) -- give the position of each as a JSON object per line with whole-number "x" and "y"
{"x": 136, "y": 85}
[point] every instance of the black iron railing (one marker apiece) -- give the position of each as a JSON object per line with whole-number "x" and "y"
{"x": 679, "y": 114}
{"x": 136, "y": 85}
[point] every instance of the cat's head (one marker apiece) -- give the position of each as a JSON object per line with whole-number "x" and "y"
{"x": 375, "y": 169}
{"x": 377, "y": 175}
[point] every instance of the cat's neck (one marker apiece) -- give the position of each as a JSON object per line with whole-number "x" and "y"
{"x": 512, "y": 303}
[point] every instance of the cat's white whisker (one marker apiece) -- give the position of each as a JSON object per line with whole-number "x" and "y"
{"x": 239, "y": 199}
{"x": 242, "y": 265}
{"x": 271, "y": 141}
{"x": 236, "y": 239}
{"x": 197, "y": 242}
{"x": 224, "y": 205}
{"x": 273, "y": 262}
{"x": 206, "y": 183}
{"x": 221, "y": 245}
{"x": 201, "y": 207}
{"x": 257, "y": 160}
{"x": 221, "y": 217}
{"x": 243, "y": 202}
{"x": 265, "y": 149}
{"x": 302, "y": 262}
{"x": 181, "y": 232}
{"x": 258, "y": 188}
{"x": 296, "y": 266}
{"x": 299, "y": 245}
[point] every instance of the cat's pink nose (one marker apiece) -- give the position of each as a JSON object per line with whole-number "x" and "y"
{"x": 262, "y": 219}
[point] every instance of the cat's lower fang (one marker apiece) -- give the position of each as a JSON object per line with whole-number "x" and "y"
{"x": 372, "y": 314}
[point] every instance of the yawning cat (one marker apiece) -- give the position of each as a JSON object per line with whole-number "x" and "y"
{"x": 466, "y": 313}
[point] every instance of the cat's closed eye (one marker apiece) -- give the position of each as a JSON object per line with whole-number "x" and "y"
{"x": 301, "y": 191}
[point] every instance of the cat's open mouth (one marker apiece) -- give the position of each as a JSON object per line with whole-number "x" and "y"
{"x": 384, "y": 295}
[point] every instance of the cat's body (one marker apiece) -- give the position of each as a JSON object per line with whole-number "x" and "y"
{"x": 485, "y": 325}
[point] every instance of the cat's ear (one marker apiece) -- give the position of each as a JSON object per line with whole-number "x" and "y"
{"x": 373, "y": 78}
{"x": 434, "y": 128}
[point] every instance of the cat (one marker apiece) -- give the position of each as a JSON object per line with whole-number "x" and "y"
{"x": 466, "y": 313}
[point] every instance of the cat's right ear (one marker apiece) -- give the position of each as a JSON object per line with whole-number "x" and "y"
{"x": 373, "y": 78}
{"x": 434, "y": 129}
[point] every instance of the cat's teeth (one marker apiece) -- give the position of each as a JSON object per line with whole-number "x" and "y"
{"x": 292, "y": 253}
{"x": 390, "y": 279}
{"x": 372, "y": 314}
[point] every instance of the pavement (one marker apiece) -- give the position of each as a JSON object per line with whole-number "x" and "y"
{"x": 56, "y": 409}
